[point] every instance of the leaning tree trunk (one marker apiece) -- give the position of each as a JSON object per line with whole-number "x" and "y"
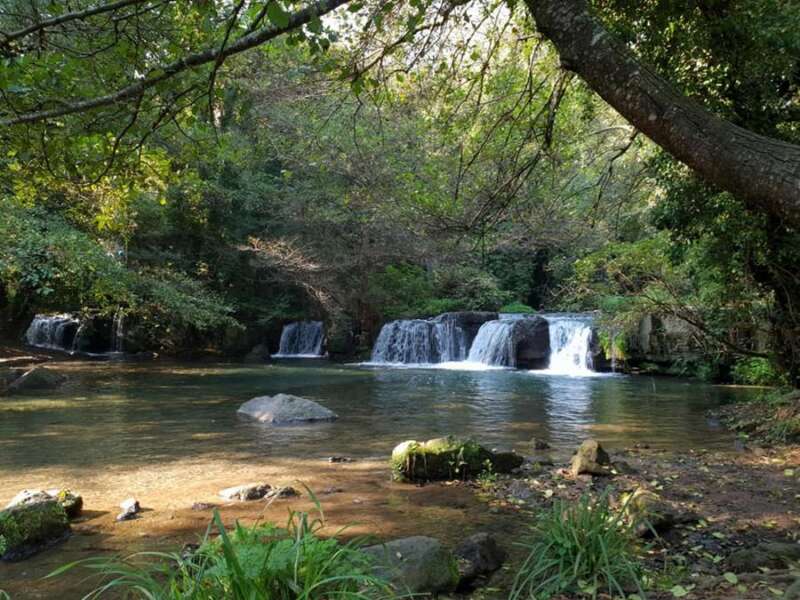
{"x": 764, "y": 172}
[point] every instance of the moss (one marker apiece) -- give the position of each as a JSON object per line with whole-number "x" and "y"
{"x": 447, "y": 458}
{"x": 26, "y": 528}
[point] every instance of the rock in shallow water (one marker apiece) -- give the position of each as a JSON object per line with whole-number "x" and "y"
{"x": 448, "y": 458}
{"x": 71, "y": 503}
{"x": 28, "y": 528}
{"x": 415, "y": 565}
{"x": 38, "y": 378}
{"x": 130, "y": 509}
{"x": 285, "y": 409}
{"x": 247, "y": 491}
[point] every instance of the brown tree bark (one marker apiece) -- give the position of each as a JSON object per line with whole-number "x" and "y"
{"x": 763, "y": 171}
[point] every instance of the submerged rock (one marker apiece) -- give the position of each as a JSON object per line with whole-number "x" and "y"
{"x": 285, "y": 409}
{"x": 247, "y": 491}
{"x": 448, "y": 458}
{"x": 590, "y": 459}
{"x": 415, "y": 565}
{"x": 38, "y": 378}
{"x": 26, "y": 529}
{"x": 282, "y": 492}
{"x": 130, "y": 509}
{"x": 478, "y": 555}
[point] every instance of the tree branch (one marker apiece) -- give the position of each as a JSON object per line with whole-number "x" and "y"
{"x": 191, "y": 61}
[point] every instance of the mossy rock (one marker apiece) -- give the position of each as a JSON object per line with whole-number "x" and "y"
{"x": 447, "y": 458}
{"x": 29, "y": 528}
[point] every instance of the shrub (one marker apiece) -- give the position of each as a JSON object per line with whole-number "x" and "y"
{"x": 263, "y": 562}
{"x": 584, "y": 547}
{"x": 517, "y": 308}
{"x": 755, "y": 371}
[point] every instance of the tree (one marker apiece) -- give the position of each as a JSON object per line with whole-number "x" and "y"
{"x": 763, "y": 171}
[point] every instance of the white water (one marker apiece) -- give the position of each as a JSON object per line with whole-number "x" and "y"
{"x": 493, "y": 345}
{"x": 420, "y": 342}
{"x": 302, "y": 339}
{"x": 117, "y": 332}
{"x": 54, "y": 332}
{"x": 570, "y": 339}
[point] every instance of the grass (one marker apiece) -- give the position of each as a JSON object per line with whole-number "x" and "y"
{"x": 262, "y": 562}
{"x": 585, "y": 548}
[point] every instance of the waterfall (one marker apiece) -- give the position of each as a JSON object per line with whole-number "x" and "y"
{"x": 494, "y": 344}
{"x": 420, "y": 342}
{"x": 54, "y": 332}
{"x": 117, "y": 331}
{"x": 301, "y": 339}
{"x": 570, "y": 338}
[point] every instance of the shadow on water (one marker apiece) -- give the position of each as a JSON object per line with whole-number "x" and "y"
{"x": 117, "y": 414}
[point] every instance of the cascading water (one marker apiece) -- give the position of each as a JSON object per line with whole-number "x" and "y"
{"x": 494, "y": 345}
{"x": 117, "y": 332}
{"x": 301, "y": 339}
{"x": 420, "y": 342}
{"x": 54, "y": 332}
{"x": 570, "y": 339}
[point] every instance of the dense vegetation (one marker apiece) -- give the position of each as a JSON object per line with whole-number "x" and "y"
{"x": 396, "y": 160}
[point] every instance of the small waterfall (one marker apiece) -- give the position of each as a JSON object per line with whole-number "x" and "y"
{"x": 301, "y": 339}
{"x": 54, "y": 332}
{"x": 117, "y": 332}
{"x": 494, "y": 344}
{"x": 570, "y": 338}
{"x": 420, "y": 342}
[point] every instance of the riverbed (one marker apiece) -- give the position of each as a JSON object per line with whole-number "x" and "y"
{"x": 169, "y": 435}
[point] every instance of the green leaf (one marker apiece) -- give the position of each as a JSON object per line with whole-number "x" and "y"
{"x": 731, "y": 578}
{"x": 277, "y": 15}
{"x": 678, "y": 591}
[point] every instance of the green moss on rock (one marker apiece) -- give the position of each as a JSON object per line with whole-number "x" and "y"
{"x": 447, "y": 458}
{"x": 27, "y": 528}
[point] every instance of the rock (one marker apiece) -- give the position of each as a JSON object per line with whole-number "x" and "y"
{"x": 282, "y": 492}
{"x": 590, "y": 459}
{"x": 38, "y": 378}
{"x": 772, "y": 555}
{"x": 415, "y": 565}
{"x": 200, "y": 506}
{"x": 130, "y": 509}
{"x": 519, "y": 490}
{"x": 793, "y": 591}
{"x": 624, "y": 468}
{"x": 284, "y": 409}
{"x": 478, "y": 555}
{"x": 447, "y": 458}
{"x": 538, "y": 444}
{"x": 340, "y": 459}
{"x": 7, "y": 377}
{"x": 247, "y": 491}
{"x": 530, "y": 338}
{"x": 259, "y": 354}
{"x": 332, "y": 490}
{"x": 71, "y": 503}
{"x": 649, "y": 513}
{"x": 27, "y": 528}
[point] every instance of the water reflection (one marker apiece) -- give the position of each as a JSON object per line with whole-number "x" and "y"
{"x": 137, "y": 414}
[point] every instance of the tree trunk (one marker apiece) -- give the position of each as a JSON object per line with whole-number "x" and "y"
{"x": 763, "y": 171}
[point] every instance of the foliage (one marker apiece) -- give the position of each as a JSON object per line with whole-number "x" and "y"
{"x": 756, "y": 371}
{"x": 585, "y": 547}
{"x": 516, "y": 308}
{"x": 262, "y": 562}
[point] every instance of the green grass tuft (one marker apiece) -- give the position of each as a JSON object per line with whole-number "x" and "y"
{"x": 585, "y": 548}
{"x": 262, "y": 562}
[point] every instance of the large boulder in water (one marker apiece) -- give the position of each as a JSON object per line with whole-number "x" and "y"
{"x": 448, "y": 458}
{"x": 285, "y": 409}
{"x": 25, "y": 529}
{"x": 530, "y": 338}
{"x": 38, "y": 378}
{"x": 415, "y": 565}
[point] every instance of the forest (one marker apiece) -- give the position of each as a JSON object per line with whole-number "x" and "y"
{"x": 208, "y": 172}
